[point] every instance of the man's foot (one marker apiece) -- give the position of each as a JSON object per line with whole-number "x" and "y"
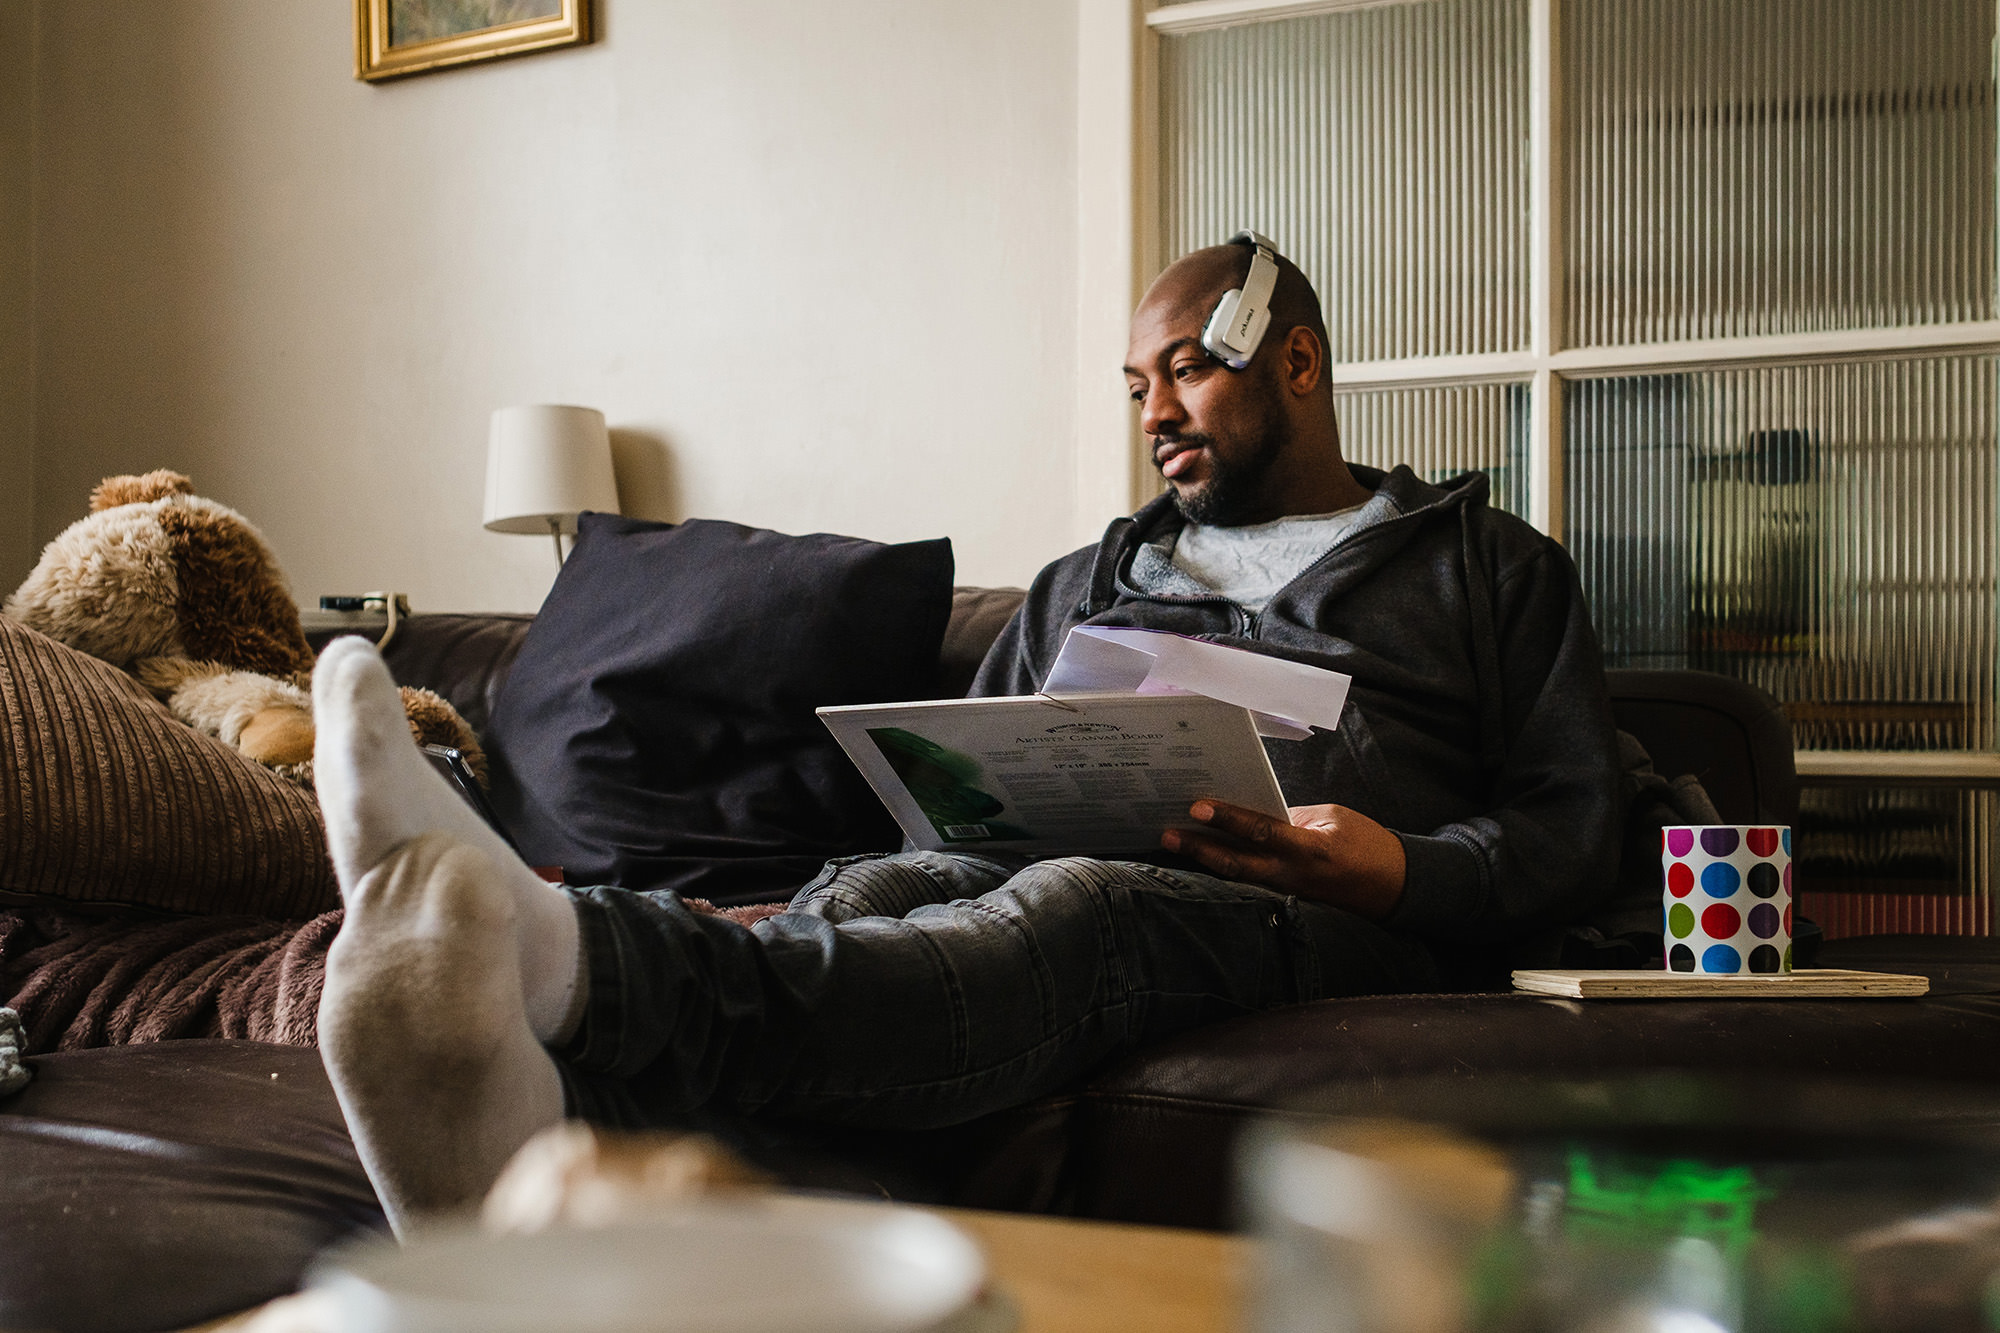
{"x": 378, "y": 792}
{"x": 423, "y": 1030}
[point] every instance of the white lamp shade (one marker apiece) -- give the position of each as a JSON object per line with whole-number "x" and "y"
{"x": 545, "y": 464}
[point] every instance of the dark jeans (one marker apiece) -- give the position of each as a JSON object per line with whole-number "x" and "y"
{"x": 921, "y": 990}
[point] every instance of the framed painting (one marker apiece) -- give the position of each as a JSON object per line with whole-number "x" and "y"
{"x": 395, "y": 38}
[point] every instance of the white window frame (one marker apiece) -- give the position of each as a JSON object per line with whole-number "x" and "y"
{"x": 1118, "y": 226}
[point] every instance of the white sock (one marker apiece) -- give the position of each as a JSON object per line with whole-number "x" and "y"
{"x": 424, "y": 1034}
{"x": 378, "y": 792}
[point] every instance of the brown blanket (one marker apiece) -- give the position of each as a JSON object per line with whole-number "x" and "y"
{"x": 97, "y": 978}
{"x": 91, "y": 979}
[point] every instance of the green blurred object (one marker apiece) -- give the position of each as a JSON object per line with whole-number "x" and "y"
{"x": 1614, "y": 1199}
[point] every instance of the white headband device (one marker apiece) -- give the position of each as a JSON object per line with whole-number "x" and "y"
{"x": 1241, "y": 316}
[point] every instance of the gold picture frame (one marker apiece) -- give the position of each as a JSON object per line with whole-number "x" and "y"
{"x": 397, "y": 38}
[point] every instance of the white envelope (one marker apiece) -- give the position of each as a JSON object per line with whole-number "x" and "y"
{"x": 1287, "y": 698}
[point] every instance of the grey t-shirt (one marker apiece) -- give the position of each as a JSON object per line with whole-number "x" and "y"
{"x": 1248, "y": 564}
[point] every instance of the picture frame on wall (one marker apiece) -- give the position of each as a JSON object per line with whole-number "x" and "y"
{"x": 397, "y": 38}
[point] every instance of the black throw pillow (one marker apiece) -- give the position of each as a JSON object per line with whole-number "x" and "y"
{"x": 657, "y": 729}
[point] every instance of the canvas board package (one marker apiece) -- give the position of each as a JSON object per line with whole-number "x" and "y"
{"x": 1083, "y": 773}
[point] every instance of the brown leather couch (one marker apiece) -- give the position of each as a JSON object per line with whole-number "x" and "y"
{"x": 155, "y": 1186}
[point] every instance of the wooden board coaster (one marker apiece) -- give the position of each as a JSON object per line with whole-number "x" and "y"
{"x": 1634, "y": 984}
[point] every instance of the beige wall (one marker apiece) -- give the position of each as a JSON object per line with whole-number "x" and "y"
{"x": 17, "y": 457}
{"x": 813, "y": 261}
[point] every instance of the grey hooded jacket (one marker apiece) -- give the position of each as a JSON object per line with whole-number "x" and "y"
{"x": 1477, "y": 727}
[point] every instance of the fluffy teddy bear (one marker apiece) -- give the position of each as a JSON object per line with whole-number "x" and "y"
{"x": 186, "y": 595}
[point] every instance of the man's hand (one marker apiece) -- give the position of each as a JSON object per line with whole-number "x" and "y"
{"x": 1328, "y": 853}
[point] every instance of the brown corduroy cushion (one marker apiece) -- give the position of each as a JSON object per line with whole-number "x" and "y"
{"x": 106, "y": 798}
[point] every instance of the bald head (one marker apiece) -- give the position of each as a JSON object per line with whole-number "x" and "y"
{"x": 1192, "y": 284}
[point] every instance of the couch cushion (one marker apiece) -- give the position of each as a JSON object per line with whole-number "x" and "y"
{"x": 1155, "y": 1136}
{"x": 1955, "y": 964}
{"x": 1728, "y": 733}
{"x": 977, "y": 617}
{"x": 106, "y": 798}
{"x": 657, "y": 729}
{"x": 464, "y": 658}
{"x": 151, "y": 1187}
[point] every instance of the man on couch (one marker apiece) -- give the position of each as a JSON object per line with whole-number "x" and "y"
{"x": 1467, "y": 804}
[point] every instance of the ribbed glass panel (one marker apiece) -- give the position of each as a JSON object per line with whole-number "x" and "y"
{"x": 1897, "y": 860}
{"x": 1441, "y": 432}
{"x": 1778, "y": 166}
{"x": 1385, "y": 150}
{"x": 1825, "y": 530}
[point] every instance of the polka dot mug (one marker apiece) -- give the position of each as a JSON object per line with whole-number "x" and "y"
{"x": 1728, "y": 897}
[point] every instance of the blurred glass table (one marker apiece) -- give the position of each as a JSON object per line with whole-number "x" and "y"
{"x": 1058, "y": 1274}
{"x": 1647, "y": 1204}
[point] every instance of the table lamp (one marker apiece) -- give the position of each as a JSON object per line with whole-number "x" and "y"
{"x": 545, "y": 464}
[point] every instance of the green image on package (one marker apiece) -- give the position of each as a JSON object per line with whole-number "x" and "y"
{"x": 943, "y": 782}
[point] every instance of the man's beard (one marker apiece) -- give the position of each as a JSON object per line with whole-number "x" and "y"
{"x": 1232, "y": 493}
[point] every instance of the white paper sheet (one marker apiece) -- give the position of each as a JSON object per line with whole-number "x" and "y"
{"x": 1286, "y": 698}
